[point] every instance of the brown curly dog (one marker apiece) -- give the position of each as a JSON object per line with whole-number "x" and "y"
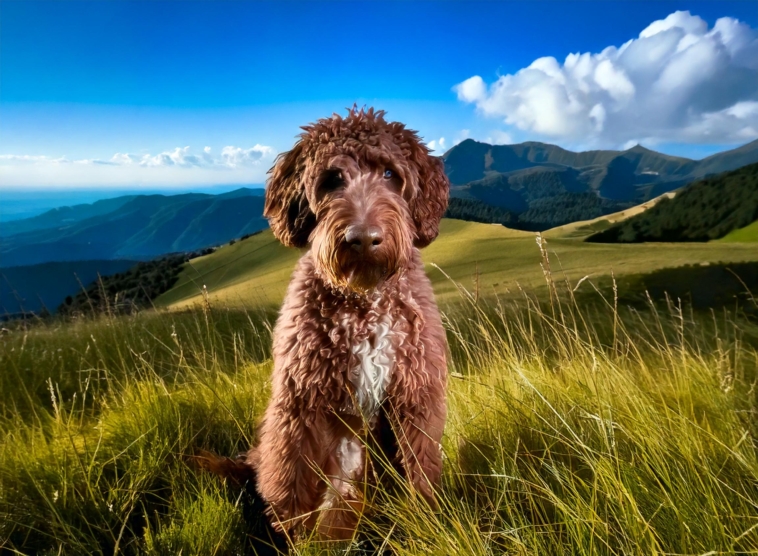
{"x": 359, "y": 348}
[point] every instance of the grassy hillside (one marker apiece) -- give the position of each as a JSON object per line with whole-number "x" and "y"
{"x": 252, "y": 272}
{"x": 705, "y": 210}
{"x": 747, "y": 234}
{"x": 128, "y": 291}
{"x": 256, "y": 271}
{"x": 584, "y": 228}
{"x": 573, "y": 429}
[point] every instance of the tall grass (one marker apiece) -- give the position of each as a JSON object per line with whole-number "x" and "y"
{"x": 575, "y": 427}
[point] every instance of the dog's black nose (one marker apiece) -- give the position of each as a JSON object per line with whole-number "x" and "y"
{"x": 363, "y": 239}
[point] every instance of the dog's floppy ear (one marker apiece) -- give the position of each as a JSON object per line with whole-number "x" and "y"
{"x": 286, "y": 207}
{"x": 430, "y": 201}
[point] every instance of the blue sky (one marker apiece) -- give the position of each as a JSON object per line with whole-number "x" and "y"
{"x": 120, "y": 94}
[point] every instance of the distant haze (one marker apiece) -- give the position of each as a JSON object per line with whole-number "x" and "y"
{"x": 17, "y": 203}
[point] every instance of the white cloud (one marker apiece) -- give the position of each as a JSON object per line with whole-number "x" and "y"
{"x": 678, "y": 81}
{"x": 179, "y": 167}
{"x": 124, "y": 159}
{"x": 32, "y": 159}
{"x": 499, "y": 137}
{"x": 177, "y": 157}
{"x": 237, "y": 156}
{"x": 437, "y": 146}
{"x": 474, "y": 89}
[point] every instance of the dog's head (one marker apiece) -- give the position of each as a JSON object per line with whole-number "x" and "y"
{"x": 362, "y": 191}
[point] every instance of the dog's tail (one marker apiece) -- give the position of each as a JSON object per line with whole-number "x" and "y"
{"x": 236, "y": 470}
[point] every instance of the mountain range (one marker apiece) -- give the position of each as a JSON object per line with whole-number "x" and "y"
{"x": 544, "y": 185}
{"x": 530, "y": 186}
{"x": 135, "y": 227}
{"x": 535, "y": 186}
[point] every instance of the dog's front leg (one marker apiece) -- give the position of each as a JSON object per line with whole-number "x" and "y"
{"x": 417, "y": 403}
{"x": 419, "y": 431}
{"x": 286, "y": 459}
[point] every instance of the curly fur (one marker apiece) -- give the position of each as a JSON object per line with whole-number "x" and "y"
{"x": 359, "y": 348}
{"x": 367, "y": 138}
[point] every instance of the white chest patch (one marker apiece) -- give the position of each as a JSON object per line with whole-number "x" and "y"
{"x": 373, "y": 369}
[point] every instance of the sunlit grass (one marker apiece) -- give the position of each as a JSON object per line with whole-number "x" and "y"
{"x": 748, "y": 234}
{"x": 495, "y": 259}
{"x": 575, "y": 427}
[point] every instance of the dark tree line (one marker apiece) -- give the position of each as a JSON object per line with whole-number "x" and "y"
{"x": 136, "y": 288}
{"x": 129, "y": 291}
{"x": 563, "y": 209}
{"x": 542, "y": 214}
{"x": 477, "y": 211}
{"x": 704, "y": 210}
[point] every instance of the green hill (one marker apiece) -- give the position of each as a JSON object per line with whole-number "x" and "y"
{"x": 708, "y": 209}
{"x": 747, "y": 234}
{"x": 254, "y": 271}
{"x": 584, "y": 228}
{"x": 487, "y": 257}
{"x": 574, "y": 426}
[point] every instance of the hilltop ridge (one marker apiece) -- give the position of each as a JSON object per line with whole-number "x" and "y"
{"x": 545, "y": 186}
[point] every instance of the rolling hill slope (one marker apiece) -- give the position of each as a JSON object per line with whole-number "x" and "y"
{"x": 747, "y": 234}
{"x": 584, "y": 228}
{"x": 255, "y": 272}
{"x": 705, "y": 210}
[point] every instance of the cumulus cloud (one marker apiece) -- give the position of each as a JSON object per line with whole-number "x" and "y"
{"x": 236, "y": 156}
{"x": 31, "y": 159}
{"x": 180, "y": 166}
{"x": 678, "y": 81}
{"x": 500, "y": 137}
{"x": 231, "y": 157}
{"x": 437, "y": 146}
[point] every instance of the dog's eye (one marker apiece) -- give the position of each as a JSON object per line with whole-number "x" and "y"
{"x": 388, "y": 174}
{"x": 331, "y": 181}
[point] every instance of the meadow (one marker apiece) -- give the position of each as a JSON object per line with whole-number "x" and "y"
{"x": 485, "y": 258}
{"x": 747, "y": 234}
{"x": 578, "y": 424}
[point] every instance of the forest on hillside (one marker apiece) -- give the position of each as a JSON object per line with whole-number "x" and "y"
{"x": 704, "y": 210}
{"x": 542, "y": 214}
{"x": 128, "y": 291}
{"x": 477, "y": 211}
{"x": 558, "y": 210}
